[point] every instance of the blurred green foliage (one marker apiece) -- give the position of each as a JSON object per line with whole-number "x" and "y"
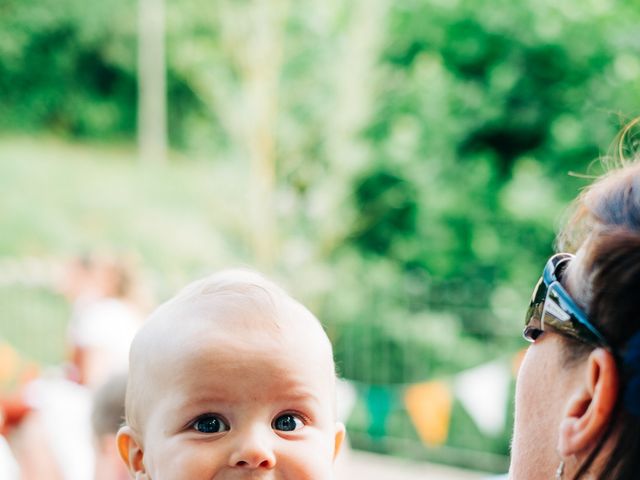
{"x": 422, "y": 153}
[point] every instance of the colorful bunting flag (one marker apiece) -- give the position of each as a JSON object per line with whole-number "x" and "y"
{"x": 379, "y": 403}
{"x": 15, "y": 370}
{"x": 429, "y": 406}
{"x": 9, "y": 360}
{"x": 484, "y": 393}
{"x": 347, "y": 395}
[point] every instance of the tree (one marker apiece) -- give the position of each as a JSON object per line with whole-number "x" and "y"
{"x": 152, "y": 94}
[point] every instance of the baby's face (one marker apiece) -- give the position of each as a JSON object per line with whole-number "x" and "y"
{"x": 237, "y": 403}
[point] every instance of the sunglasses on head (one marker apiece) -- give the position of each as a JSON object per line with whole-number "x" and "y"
{"x": 552, "y": 306}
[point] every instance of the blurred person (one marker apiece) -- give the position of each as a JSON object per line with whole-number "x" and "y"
{"x": 32, "y": 451}
{"x": 53, "y": 440}
{"x": 577, "y": 409}
{"x": 49, "y": 428}
{"x": 231, "y": 379}
{"x": 106, "y": 418}
{"x": 15, "y": 373}
{"x": 18, "y": 456}
{"x": 106, "y": 315}
{"x": 9, "y": 469}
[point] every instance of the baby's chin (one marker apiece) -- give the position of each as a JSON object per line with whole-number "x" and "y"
{"x": 270, "y": 475}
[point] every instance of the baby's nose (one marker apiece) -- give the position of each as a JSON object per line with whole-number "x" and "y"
{"x": 254, "y": 450}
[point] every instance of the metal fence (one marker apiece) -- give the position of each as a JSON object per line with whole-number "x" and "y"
{"x": 33, "y": 320}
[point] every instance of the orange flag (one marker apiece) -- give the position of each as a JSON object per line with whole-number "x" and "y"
{"x": 9, "y": 362}
{"x": 429, "y": 406}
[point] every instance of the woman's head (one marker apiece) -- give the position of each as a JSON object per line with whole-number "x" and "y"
{"x": 576, "y": 400}
{"x": 96, "y": 276}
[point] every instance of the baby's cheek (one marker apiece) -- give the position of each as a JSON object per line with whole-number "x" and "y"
{"x": 174, "y": 459}
{"x": 312, "y": 459}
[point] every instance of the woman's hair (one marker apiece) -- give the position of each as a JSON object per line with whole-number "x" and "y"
{"x": 606, "y": 226}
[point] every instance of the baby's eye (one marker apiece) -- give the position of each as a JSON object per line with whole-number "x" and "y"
{"x": 288, "y": 422}
{"x": 210, "y": 424}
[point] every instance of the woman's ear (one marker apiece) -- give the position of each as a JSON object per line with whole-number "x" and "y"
{"x": 131, "y": 452}
{"x": 590, "y": 408}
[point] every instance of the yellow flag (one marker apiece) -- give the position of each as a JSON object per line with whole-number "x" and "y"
{"x": 9, "y": 360}
{"x": 429, "y": 406}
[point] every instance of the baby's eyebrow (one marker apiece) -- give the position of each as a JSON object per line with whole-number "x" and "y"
{"x": 298, "y": 395}
{"x": 210, "y": 398}
{"x": 222, "y": 399}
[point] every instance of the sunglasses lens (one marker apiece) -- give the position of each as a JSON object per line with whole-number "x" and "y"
{"x": 532, "y": 321}
{"x": 530, "y": 334}
{"x": 534, "y": 312}
{"x": 552, "y": 306}
{"x": 555, "y": 312}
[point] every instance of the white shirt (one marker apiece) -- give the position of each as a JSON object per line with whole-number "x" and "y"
{"x": 8, "y": 466}
{"x": 106, "y": 324}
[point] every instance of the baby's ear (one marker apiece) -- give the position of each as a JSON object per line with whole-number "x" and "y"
{"x": 339, "y": 438}
{"x": 131, "y": 452}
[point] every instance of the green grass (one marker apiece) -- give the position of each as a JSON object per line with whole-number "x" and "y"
{"x": 33, "y": 321}
{"x": 58, "y": 198}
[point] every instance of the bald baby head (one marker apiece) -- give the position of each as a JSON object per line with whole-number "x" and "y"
{"x": 239, "y": 312}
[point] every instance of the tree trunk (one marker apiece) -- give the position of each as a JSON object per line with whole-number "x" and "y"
{"x": 152, "y": 95}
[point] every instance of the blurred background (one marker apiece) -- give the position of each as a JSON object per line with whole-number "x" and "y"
{"x": 401, "y": 167}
